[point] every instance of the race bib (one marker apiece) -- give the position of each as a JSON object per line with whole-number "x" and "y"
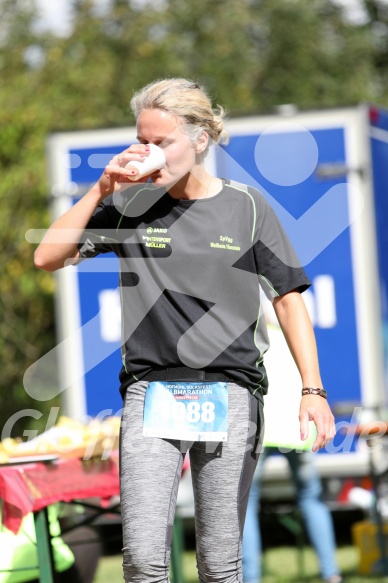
{"x": 186, "y": 411}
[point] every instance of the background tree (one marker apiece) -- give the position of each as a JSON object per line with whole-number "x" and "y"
{"x": 251, "y": 54}
{"x": 377, "y": 26}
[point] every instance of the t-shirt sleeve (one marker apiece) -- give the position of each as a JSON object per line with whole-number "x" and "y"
{"x": 278, "y": 266}
{"x": 99, "y": 235}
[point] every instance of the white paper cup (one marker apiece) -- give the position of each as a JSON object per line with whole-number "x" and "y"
{"x": 154, "y": 161}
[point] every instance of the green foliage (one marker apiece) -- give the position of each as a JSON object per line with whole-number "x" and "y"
{"x": 317, "y": 59}
{"x": 251, "y": 54}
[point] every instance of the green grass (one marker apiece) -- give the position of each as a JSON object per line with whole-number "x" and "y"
{"x": 281, "y": 565}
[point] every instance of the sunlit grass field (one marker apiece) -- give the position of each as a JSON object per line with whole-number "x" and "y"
{"x": 281, "y": 565}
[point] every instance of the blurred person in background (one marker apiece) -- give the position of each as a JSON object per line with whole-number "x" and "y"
{"x": 182, "y": 303}
{"x": 281, "y": 437}
{"x": 76, "y": 553}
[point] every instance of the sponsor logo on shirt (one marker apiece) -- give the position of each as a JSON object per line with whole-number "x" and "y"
{"x": 155, "y": 230}
{"x": 225, "y": 243}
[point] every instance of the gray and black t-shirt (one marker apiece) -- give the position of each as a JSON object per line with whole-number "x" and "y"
{"x": 190, "y": 278}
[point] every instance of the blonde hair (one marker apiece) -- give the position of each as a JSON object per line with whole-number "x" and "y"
{"x": 186, "y": 100}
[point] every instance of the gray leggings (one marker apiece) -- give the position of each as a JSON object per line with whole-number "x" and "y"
{"x": 221, "y": 474}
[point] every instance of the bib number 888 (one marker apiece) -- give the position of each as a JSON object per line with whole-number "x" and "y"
{"x": 194, "y": 412}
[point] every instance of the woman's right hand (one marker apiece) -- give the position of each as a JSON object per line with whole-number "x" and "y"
{"x": 60, "y": 244}
{"x": 116, "y": 175}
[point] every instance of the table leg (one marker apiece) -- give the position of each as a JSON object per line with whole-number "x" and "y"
{"x": 177, "y": 551}
{"x": 44, "y": 549}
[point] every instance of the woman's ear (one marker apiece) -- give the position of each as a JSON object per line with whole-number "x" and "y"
{"x": 202, "y": 143}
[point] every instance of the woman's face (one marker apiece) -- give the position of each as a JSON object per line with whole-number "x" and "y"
{"x": 155, "y": 126}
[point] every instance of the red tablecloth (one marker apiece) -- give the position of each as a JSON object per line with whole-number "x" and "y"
{"x": 30, "y": 487}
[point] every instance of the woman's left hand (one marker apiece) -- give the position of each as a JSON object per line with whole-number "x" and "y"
{"x": 316, "y": 408}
